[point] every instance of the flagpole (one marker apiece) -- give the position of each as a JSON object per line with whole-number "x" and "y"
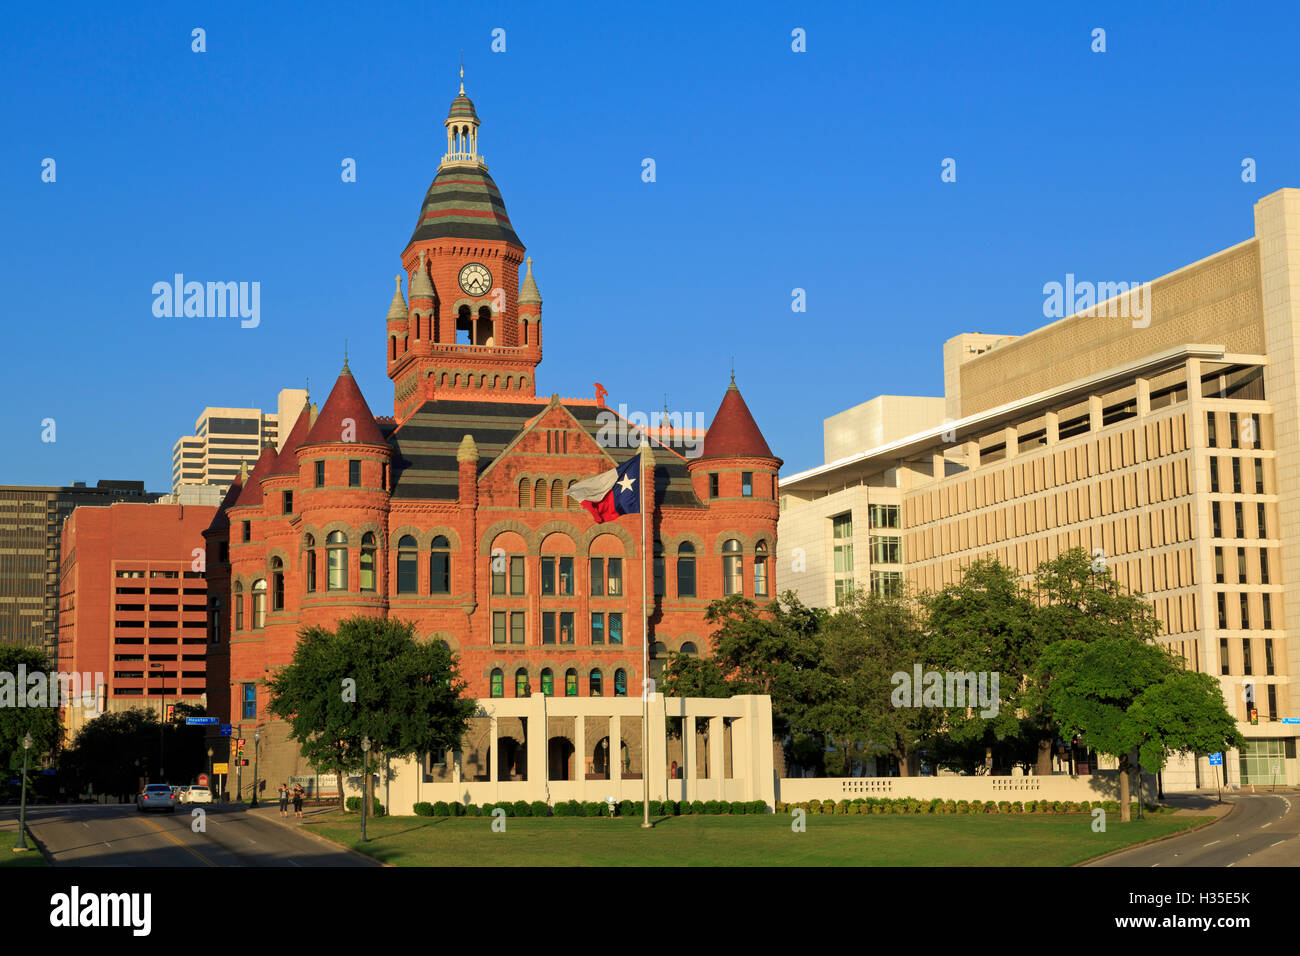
{"x": 645, "y": 654}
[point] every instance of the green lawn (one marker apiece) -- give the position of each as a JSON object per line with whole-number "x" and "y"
{"x": 9, "y": 858}
{"x": 745, "y": 841}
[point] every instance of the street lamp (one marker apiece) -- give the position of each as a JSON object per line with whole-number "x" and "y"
{"x": 257, "y": 753}
{"x": 162, "y": 718}
{"x": 210, "y": 773}
{"x": 365, "y": 779}
{"x": 22, "y": 807}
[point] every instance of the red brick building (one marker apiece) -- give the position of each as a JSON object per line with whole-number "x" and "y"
{"x": 133, "y": 604}
{"x": 453, "y": 514}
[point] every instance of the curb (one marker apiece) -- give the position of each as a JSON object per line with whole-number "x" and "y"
{"x": 1161, "y": 839}
{"x": 326, "y": 840}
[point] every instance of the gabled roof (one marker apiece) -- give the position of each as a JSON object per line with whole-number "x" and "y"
{"x": 733, "y": 432}
{"x": 251, "y": 494}
{"x": 345, "y": 402}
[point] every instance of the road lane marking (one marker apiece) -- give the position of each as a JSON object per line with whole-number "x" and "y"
{"x": 1278, "y": 843}
{"x": 1212, "y": 842}
{"x": 180, "y": 843}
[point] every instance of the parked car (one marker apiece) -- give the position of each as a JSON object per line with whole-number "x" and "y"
{"x": 182, "y": 794}
{"x": 198, "y": 794}
{"x": 156, "y": 796}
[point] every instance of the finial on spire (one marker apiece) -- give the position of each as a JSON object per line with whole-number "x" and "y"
{"x": 733, "y": 370}
{"x": 462, "y": 72}
{"x": 345, "y": 355}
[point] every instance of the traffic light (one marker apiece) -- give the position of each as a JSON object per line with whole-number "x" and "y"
{"x": 171, "y": 712}
{"x": 244, "y": 762}
{"x": 1254, "y": 716}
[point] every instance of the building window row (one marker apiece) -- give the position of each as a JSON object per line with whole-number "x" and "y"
{"x": 595, "y": 683}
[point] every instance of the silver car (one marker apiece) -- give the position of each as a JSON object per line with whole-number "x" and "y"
{"x": 156, "y": 796}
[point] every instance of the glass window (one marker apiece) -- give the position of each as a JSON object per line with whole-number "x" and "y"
{"x": 1263, "y": 565}
{"x": 548, "y": 627}
{"x": 516, "y": 627}
{"x": 713, "y": 484}
{"x": 498, "y": 627}
{"x": 1214, "y": 473}
{"x": 354, "y": 473}
{"x": 1211, "y": 430}
{"x": 689, "y": 650}
{"x": 1259, "y": 476}
{"x": 498, "y": 683}
{"x": 337, "y": 556}
{"x": 1245, "y": 656}
{"x": 842, "y": 554}
{"x": 571, "y": 683}
{"x": 259, "y": 603}
{"x": 1233, "y": 437}
{"x": 1216, "y": 522}
{"x": 408, "y": 565}
{"x": 615, "y": 577}
{"x": 277, "y": 584}
{"x": 1223, "y": 655}
{"x": 1245, "y": 613}
{"x": 288, "y": 502}
{"x": 239, "y": 607}
{"x": 440, "y": 566}
{"x": 747, "y": 484}
{"x": 620, "y": 683}
{"x": 597, "y": 627}
{"x": 1241, "y": 565}
{"x": 499, "y": 563}
{"x": 1267, "y": 600}
{"x": 1236, "y": 476}
{"x": 616, "y": 627}
{"x": 596, "y": 571}
{"x": 880, "y": 516}
{"x": 1240, "y": 521}
{"x": 368, "y": 552}
{"x": 565, "y": 583}
{"x": 1260, "y": 520}
{"x": 548, "y": 575}
{"x": 320, "y": 474}
{"x": 886, "y": 583}
{"x": 595, "y": 681}
{"x": 311, "y": 563}
{"x": 1222, "y": 600}
{"x": 1268, "y": 651}
{"x": 732, "y": 567}
{"x": 521, "y": 683}
{"x": 250, "y": 702}
{"x": 686, "y": 569}
{"x": 760, "y": 569}
{"x": 886, "y": 549}
{"x": 516, "y": 575}
{"x": 566, "y": 627}
{"x": 548, "y": 682}
{"x": 248, "y": 530}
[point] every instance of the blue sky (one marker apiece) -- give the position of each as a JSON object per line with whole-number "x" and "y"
{"x": 776, "y": 170}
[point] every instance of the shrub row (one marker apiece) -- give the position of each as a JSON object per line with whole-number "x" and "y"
{"x": 874, "y": 805}
{"x": 594, "y": 808}
{"x": 354, "y": 804}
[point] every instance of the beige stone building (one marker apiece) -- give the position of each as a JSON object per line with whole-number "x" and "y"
{"x": 1159, "y": 429}
{"x": 225, "y": 438}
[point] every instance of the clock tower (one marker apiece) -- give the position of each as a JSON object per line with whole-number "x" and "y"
{"x": 467, "y": 333}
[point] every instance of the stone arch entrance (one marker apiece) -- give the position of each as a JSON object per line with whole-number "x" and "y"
{"x": 560, "y": 751}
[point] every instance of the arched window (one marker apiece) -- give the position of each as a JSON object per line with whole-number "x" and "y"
{"x": 686, "y": 569}
{"x": 571, "y": 683}
{"x": 523, "y": 492}
{"x": 408, "y": 565}
{"x": 760, "y": 569}
{"x": 572, "y": 503}
{"x": 368, "y": 550}
{"x": 214, "y": 621}
{"x": 336, "y": 548}
{"x": 539, "y": 493}
{"x": 548, "y": 682}
{"x": 733, "y": 580}
{"x": 620, "y": 683}
{"x": 309, "y": 545}
{"x": 498, "y": 683}
{"x": 259, "y": 603}
{"x": 521, "y": 683}
{"x": 277, "y": 584}
{"x": 688, "y": 650}
{"x": 557, "y": 493}
{"x": 239, "y": 606}
{"x": 595, "y": 683}
{"x": 440, "y": 566}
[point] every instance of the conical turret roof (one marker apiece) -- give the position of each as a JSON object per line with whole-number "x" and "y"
{"x": 345, "y": 402}
{"x": 733, "y": 432}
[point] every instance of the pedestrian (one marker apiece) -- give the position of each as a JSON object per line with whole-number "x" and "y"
{"x": 284, "y": 800}
{"x": 297, "y": 801}
{"x": 673, "y": 774}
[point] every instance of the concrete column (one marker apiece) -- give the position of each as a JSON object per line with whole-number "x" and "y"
{"x": 1011, "y": 438}
{"x": 654, "y": 758}
{"x": 1094, "y": 412}
{"x": 1053, "y": 422}
{"x": 1143, "y": 397}
{"x": 971, "y": 453}
{"x": 937, "y": 466}
{"x": 716, "y": 744}
{"x": 455, "y": 766}
{"x": 580, "y": 755}
{"x": 615, "y": 750}
{"x": 494, "y": 759}
{"x": 536, "y": 741}
{"x": 688, "y": 757}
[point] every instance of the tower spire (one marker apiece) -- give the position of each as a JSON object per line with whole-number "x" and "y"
{"x": 462, "y": 72}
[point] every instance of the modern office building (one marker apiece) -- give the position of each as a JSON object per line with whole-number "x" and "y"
{"x": 1158, "y": 429}
{"x": 133, "y": 603}
{"x": 226, "y": 438}
{"x": 31, "y": 520}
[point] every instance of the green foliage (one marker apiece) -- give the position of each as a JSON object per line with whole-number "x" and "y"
{"x": 627, "y": 808}
{"x": 697, "y": 807}
{"x": 41, "y": 722}
{"x": 99, "y": 757}
{"x": 457, "y": 809}
{"x": 739, "y": 808}
{"x": 522, "y": 808}
{"x": 425, "y": 809}
{"x": 408, "y": 698}
{"x": 540, "y": 808}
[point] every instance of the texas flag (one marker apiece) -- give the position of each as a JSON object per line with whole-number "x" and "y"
{"x": 611, "y": 493}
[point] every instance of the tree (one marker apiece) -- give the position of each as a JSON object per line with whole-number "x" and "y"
{"x": 15, "y": 722}
{"x": 370, "y": 678}
{"x": 686, "y": 675}
{"x": 1123, "y": 696}
{"x": 113, "y": 751}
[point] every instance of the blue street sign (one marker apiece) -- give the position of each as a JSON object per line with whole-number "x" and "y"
{"x": 1291, "y": 720}
{"x": 48, "y": 772}
{"x": 225, "y": 730}
{"x": 201, "y": 721}
{"x": 1216, "y": 760}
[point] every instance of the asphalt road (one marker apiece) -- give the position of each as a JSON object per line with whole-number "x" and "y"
{"x": 95, "y": 835}
{"x": 1260, "y": 830}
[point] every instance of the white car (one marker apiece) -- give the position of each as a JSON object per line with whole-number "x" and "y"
{"x": 198, "y": 795}
{"x": 182, "y": 794}
{"x": 156, "y": 796}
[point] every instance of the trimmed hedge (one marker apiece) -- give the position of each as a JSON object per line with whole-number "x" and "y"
{"x": 423, "y": 809}
{"x": 911, "y": 805}
{"x": 354, "y": 804}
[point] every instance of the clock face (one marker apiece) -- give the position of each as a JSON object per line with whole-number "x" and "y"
{"x": 475, "y": 279}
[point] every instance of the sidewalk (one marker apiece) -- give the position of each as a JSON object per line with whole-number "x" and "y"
{"x": 270, "y": 810}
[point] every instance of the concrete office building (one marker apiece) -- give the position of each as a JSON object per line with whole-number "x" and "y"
{"x": 226, "y": 438}
{"x": 1158, "y": 429}
{"x": 31, "y": 520}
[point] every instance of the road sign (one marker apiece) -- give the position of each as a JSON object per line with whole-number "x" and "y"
{"x": 1216, "y": 760}
{"x": 203, "y": 779}
{"x": 201, "y": 721}
{"x": 1291, "y": 720}
{"x": 221, "y": 768}
{"x": 225, "y": 730}
{"x": 48, "y": 772}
